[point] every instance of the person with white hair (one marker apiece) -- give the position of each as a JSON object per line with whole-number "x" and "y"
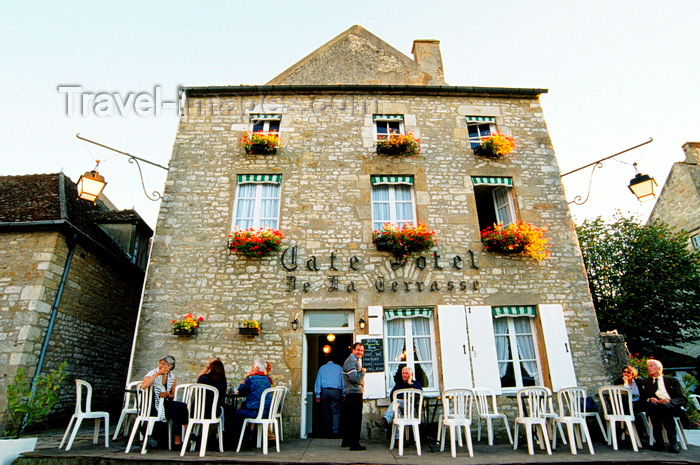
{"x": 164, "y": 383}
{"x": 252, "y": 386}
{"x": 665, "y": 398}
{"x": 406, "y": 382}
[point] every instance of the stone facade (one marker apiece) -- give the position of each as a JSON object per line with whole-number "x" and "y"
{"x": 326, "y": 162}
{"x": 96, "y": 306}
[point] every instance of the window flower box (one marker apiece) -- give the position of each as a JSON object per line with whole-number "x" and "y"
{"x": 495, "y": 146}
{"x": 250, "y": 328}
{"x": 255, "y": 243}
{"x": 187, "y": 326}
{"x": 516, "y": 238}
{"x": 399, "y": 144}
{"x": 264, "y": 143}
{"x": 404, "y": 241}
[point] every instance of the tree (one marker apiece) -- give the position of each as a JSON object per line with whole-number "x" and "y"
{"x": 643, "y": 279}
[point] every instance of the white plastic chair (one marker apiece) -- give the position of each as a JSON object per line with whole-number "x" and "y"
{"x": 181, "y": 393}
{"x": 570, "y": 413}
{"x": 616, "y": 401}
{"x": 550, "y": 415}
{"x": 457, "y": 414}
{"x": 281, "y": 411}
{"x": 265, "y": 420}
{"x": 145, "y": 404}
{"x": 600, "y": 423}
{"x": 408, "y": 415}
{"x": 532, "y": 404}
{"x": 695, "y": 399}
{"x": 80, "y": 415}
{"x": 129, "y": 410}
{"x": 488, "y": 411}
{"x": 198, "y": 406}
{"x": 680, "y": 434}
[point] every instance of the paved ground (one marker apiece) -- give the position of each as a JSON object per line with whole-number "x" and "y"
{"x": 327, "y": 451}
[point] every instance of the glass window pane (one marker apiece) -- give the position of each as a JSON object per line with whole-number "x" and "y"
{"x": 328, "y": 320}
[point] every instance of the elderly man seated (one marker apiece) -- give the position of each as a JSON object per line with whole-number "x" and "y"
{"x": 665, "y": 397}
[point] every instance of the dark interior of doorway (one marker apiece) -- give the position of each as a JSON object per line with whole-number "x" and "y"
{"x": 339, "y": 351}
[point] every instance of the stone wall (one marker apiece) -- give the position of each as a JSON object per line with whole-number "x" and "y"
{"x": 326, "y": 161}
{"x": 94, "y": 326}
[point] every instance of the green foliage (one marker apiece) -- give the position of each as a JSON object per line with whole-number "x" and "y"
{"x": 643, "y": 279}
{"x": 689, "y": 384}
{"x": 27, "y": 407}
{"x": 640, "y": 363}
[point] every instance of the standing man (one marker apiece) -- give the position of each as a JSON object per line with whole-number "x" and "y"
{"x": 329, "y": 391}
{"x": 665, "y": 399}
{"x": 354, "y": 385}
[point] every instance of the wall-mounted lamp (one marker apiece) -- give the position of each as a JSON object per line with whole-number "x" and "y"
{"x": 295, "y": 323}
{"x": 327, "y": 349}
{"x": 362, "y": 323}
{"x": 89, "y": 184}
{"x": 330, "y": 337}
{"x": 642, "y": 185}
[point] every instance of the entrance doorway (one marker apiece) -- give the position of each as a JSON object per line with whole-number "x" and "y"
{"x": 338, "y": 350}
{"x": 333, "y": 331}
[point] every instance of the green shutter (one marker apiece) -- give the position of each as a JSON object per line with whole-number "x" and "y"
{"x": 481, "y": 119}
{"x": 392, "y": 180}
{"x": 387, "y": 117}
{"x": 259, "y": 178}
{"x": 526, "y": 310}
{"x": 391, "y": 313}
{"x": 491, "y": 181}
{"x": 265, "y": 116}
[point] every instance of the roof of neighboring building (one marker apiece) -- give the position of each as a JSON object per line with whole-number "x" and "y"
{"x": 50, "y": 200}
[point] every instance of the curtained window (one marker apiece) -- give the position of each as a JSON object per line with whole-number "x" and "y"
{"x": 392, "y": 201}
{"x": 257, "y": 202}
{"x": 518, "y": 364}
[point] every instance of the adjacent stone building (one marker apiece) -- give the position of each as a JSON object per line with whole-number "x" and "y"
{"x": 457, "y": 314}
{"x": 81, "y": 265}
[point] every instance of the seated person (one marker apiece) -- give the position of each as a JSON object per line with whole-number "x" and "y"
{"x": 164, "y": 383}
{"x": 214, "y": 375}
{"x": 665, "y": 398}
{"x": 405, "y": 382}
{"x": 630, "y": 380}
{"x": 253, "y": 384}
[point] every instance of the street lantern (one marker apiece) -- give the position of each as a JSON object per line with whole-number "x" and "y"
{"x": 90, "y": 185}
{"x": 642, "y": 185}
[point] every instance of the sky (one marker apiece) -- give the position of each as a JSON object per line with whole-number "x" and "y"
{"x": 617, "y": 74}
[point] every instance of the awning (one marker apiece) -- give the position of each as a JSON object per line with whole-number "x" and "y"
{"x": 481, "y": 119}
{"x": 392, "y": 180}
{"x": 387, "y": 117}
{"x": 526, "y": 310}
{"x": 391, "y": 313}
{"x": 259, "y": 178}
{"x": 491, "y": 181}
{"x": 265, "y": 116}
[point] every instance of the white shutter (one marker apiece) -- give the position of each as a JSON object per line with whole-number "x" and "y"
{"x": 483, "y": 348}
{"x": 374, "y": 382}
{"x": 454, "y": 347}
{"x": 376, "y": 322}
{"x": 556, "y": 342}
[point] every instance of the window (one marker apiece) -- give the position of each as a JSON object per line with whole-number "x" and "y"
{"x": 392, "y": 201}
{"x": 516, "y": 349}
{"x": 478, "y": 127}
{"x": 267, "y": 123}
{"x": 257, "y": 201}
{"x": 494, "y": 200}
{"x": 388, "y": 124}
{"x": 410, "y": 341}
{"x": 696, "y": 241}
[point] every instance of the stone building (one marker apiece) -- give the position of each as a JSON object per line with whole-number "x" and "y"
{"x": 78, "y": 264}
{"x": 458, "y": 314}
{"x": 678, "y": 205}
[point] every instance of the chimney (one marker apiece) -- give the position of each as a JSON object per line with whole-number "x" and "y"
{"x": 692, "y": 152}
{"x": 427, "y": 54}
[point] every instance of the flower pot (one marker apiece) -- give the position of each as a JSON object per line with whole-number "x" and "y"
{"x": 184, "y": 332}
{"x": 481, "y": 151}
{"x": 390, "y": 150}
{"x": 382, "y": 245}
{"x": 261, "y": 149}
{"x": 11, "y": 448}
{"x": 252, "y": 332}
{"x": 502, "y": 248}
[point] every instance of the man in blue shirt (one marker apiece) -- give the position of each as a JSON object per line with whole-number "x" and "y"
{"x": 329, "y": 392}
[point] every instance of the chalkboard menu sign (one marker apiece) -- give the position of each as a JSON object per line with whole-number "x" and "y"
{"x": 373, "y": 359}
